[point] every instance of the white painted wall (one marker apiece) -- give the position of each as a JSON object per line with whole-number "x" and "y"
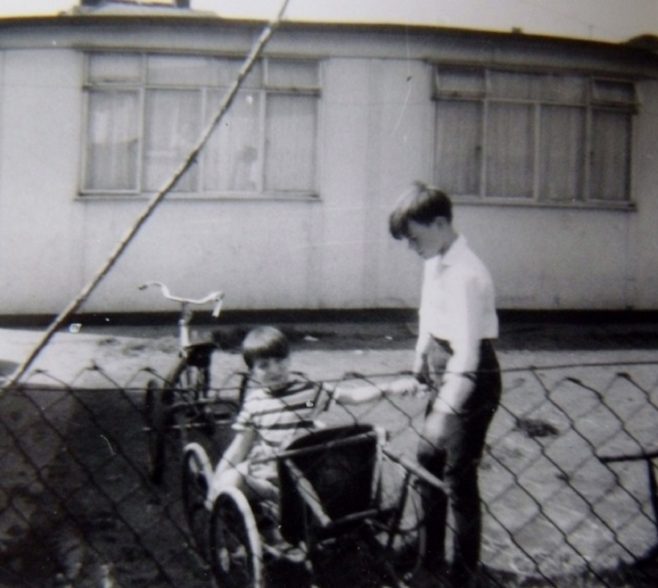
{"x": 375, "y": 138}
{"x": 642, "y": 261}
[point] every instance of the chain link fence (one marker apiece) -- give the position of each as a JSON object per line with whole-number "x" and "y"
{"x": 568, "y": 488}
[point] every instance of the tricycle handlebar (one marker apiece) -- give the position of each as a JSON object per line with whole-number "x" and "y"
{"x": 217, "y": 297}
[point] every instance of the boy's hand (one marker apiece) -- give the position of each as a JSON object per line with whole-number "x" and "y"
{"x": 420, "y": 368}
{"x": 404, "y": 386}
{"x": 438, "y": 430}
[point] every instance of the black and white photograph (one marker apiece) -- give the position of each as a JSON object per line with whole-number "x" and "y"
{"x": 329, "y": 293}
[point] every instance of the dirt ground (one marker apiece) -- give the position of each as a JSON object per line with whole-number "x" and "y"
{"x": 553, "y": 511}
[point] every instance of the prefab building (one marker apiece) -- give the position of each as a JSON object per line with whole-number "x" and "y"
{"x": 549, "y": 148}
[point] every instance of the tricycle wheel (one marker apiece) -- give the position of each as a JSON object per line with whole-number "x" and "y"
{"x": 197, "y": 476}
{"x": 158, "y": 417}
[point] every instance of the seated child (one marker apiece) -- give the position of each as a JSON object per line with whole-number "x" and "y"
{"x": 281, "y": 409}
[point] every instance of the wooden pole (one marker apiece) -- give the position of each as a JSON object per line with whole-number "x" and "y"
{"x": 248, "y": 64}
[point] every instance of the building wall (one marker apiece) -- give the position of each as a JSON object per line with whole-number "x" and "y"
{"x": 375, "y": 137}
{"x": 643, "y": 251}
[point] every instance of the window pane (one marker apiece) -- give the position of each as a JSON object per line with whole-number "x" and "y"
{"x": 564, "y": 88}
{"x": 232, "y": 156}
{"x": 460, "y": 81}
{"x": 540, "y": 131}
{"x": 292, "y": 74}
{"x": 539, "y": 87}
{"x": 172, "y": 129}
{"x": 225, "y": 72}
{"x": 611, "y": 132}
{"x": 509, "y": 148}
{"x": 523, "y": 86}
{"x": 458, "y": 146}
{"x": 290, "y": 160}
{"x": 178, "y": 70}
{"x": 112, "y": 141}
{"x": 115, "y": 67}
{"x": 562, "y": 153}
{"x": 614, "y": 92}
{"x": 140, "y": 133}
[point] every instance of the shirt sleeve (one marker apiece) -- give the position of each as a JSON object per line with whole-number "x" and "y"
{"x": 244, "y": 419}
{"x": 424, "y": 333}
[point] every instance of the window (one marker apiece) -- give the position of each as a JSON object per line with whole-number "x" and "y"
{"x": 145, "y": 113}
{"x": 532, "y": 137}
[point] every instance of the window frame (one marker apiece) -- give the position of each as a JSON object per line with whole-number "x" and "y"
{"x": 142, "y": 86}
{"x": 590, "y": 104}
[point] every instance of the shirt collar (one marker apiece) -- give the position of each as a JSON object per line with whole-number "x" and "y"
{"x": 454, "y": 252}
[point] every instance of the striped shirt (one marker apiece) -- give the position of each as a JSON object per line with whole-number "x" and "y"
{"x": 279, "y": 417}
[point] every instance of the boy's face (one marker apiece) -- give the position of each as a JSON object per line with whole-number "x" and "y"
{"x": 271, "y": 372}
{"x": 428, "y": 240}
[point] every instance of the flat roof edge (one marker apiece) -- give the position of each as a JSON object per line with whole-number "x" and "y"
{"x": 643, "y": 43}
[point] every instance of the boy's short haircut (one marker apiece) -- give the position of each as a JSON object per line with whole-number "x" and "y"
{"x": 420, "y": 203}
{"x": 264, "y": 342}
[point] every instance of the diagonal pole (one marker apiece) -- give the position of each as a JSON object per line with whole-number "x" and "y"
{"x": 248, "y": 64}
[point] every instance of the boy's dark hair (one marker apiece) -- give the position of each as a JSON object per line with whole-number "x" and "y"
{"x": 264, "y": 342}
{"x": 422, "y": 204}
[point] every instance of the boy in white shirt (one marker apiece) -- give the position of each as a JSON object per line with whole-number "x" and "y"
{"x": 457, "y": 323}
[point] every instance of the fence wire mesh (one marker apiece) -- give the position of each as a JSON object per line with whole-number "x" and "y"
{"x": 567, "y": 481}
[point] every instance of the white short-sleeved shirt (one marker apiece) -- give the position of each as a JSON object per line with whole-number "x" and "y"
{"x": 457, "y": 306}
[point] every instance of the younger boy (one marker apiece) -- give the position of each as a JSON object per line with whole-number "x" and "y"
{"x": 279, "y": 410}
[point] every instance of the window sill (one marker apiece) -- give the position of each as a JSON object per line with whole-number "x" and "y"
{"x": 513, "y": 202}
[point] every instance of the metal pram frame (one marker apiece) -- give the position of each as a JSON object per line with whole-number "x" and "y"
{"x": 331, "y": 488}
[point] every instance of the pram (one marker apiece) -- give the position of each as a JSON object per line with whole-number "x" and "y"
{"x": 331, "y": 491}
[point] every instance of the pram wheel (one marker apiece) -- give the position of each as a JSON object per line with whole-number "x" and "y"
{"x": 402, "y": 534}
{"x": 235, "y": 546}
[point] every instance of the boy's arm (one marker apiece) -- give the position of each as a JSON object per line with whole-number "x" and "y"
{"x": 371, "y": 392}
{"x": 236, "y": 452}
{"x": 419, "y": 367}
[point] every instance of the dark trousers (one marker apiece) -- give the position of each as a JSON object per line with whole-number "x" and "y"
{"x": 455, "y": 459}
